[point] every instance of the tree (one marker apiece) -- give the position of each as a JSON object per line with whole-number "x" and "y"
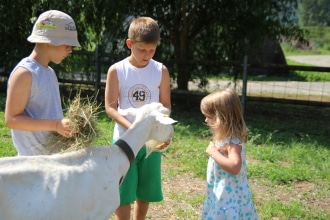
{"x": 224, "y": 30}
{"x": 191, "y": 29}
{"x": 92, "y": 19}
{"x": 15, "y": 27}
{"x": 314, "y": 13}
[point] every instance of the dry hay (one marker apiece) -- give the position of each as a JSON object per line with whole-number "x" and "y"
{"x": 83, "y": 113}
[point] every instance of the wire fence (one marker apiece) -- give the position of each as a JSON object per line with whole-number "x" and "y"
{"x": 88, "y": 70}
{"x": 294, "y": 92}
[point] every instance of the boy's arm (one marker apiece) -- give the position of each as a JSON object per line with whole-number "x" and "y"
{"x": 17, "y": 97}
{"x": 165, "y": 88}
{"x": 111, "y": 98}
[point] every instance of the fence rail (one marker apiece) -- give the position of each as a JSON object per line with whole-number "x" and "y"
{"x": 310, "y": 93}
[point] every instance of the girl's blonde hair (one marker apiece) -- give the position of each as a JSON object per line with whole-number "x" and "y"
{"x": 144, "y": 29}
{"x": 224, "y": 106}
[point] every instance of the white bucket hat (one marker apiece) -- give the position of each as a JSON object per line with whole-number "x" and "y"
{"x": 56, "y": 28}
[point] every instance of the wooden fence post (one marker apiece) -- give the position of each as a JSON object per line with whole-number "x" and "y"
{"x": 244, "y": 87}
{"x": 97, "y": 70}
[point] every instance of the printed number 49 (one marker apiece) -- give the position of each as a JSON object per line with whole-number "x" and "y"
{"x": 139, "y": 95}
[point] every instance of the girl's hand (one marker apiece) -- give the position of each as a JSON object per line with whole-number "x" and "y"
{"x": 211, "y": 149}
{"x": 64, "y": 127}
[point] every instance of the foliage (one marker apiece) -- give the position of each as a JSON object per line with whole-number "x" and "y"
{"x": 225, "y": 31}
{"x": 15, "y": 27}
{"x": 95, "y": 24}
{"x": 318, "y": 42}
{"x": 314, "y": 13}
{"x": 191, "y": 30}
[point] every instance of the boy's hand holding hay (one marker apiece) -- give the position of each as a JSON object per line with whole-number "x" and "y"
{"x": 83, "y": 114}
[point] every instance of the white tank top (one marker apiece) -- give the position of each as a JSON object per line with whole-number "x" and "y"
{"x": 137, "y": 87}
{"x": 44, "y": 102}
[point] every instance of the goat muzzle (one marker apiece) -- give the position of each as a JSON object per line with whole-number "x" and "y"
{"x": 162, "y": 146}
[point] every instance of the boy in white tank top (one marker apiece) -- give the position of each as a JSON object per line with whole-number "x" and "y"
{"x": 33, "y": 105}
{"x": 133, "y": 82}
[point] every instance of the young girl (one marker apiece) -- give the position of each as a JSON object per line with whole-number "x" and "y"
{"x": 228, "y": 191}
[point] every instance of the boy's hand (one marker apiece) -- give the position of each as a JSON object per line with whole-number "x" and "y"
{"x": 64, "y": 127}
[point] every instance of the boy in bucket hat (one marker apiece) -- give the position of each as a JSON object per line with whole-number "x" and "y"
{"x": 33, "y": 105}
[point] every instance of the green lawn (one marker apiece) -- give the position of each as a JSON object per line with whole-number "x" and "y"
{"x": 288, "y": 158}
{"x": 288, "y": 155}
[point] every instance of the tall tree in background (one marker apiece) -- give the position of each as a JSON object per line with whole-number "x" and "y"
{"x": 98, "y": 22}
{"x": 191, "y": 29}
{"x": 219, "y": 30}
{"x": 15, "y": 26}
{"x": 314, "y": 13}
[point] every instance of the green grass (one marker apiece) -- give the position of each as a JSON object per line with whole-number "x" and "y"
{"x": 297, "y": 75}
{"x": 308, "y": 76}
{"x": 290, "y": 50}
{"x": 6, "y": 148}
{"x": 319, "y": 43}
{"x": 288, "y": 145}
{"x": 288, "y": 158}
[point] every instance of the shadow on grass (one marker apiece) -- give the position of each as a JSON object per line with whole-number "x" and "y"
{"x": 287, "y": 122}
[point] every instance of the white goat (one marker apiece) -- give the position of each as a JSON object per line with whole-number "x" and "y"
{"x": 77, "y": 185}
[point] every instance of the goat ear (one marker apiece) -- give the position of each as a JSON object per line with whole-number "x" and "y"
{"x": 165, "y": 119}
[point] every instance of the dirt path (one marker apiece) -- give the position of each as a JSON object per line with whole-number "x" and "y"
{"x": 287, "y": 87}
{"x": 317, "y": 60}
{"x": 179, "y": 192}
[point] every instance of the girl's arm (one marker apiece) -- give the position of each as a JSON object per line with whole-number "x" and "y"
{"x": 231, "y": 164}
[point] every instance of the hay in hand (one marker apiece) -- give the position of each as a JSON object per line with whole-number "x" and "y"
{"x": 83, "y": 113}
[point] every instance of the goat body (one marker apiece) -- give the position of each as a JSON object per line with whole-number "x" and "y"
{"x": 76, "y": 185}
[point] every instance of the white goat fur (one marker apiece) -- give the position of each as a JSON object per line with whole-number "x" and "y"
{"x": 76, "y": 185}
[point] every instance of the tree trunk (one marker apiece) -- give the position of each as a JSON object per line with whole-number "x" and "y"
{"x": 183, "y": 67}
{"x": 183, "y": 77}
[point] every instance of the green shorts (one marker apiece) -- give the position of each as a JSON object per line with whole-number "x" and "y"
{"x": 143, "y": 179}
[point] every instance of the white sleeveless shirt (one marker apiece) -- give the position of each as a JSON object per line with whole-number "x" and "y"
{"x": 44, "y": 102}
{"x": 137, "y": 87}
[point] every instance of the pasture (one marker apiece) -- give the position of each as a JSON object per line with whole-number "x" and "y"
{"x": 288, "y": 151}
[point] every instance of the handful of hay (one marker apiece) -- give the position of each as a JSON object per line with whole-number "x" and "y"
{"x": 83, "y": 113}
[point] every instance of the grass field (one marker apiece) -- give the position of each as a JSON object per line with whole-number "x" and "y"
{"x": 287, "y": 151}
{"x": 288, "y": 160}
